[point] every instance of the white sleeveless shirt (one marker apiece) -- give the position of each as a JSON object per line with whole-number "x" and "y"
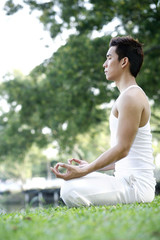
{"x": 139, "y": 161}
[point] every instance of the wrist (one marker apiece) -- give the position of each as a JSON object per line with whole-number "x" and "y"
{"x": 87, "y": 169}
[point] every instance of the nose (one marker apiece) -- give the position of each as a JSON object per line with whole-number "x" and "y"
{"x": 105, "y": 64}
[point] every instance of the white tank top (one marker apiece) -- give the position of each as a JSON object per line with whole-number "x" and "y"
{"x": 139, "y": 160}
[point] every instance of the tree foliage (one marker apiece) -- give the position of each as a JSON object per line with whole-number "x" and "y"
{"x": 64, "y": 95}
{"x": 139, "y": 18}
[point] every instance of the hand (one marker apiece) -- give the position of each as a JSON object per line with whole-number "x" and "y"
{"x": 80, "y": 162}
{"x": 71, "y": 171}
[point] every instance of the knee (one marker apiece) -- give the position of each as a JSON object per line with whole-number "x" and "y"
{"x": 66, "y": 192}
{"x": 65, "y": 188}
{"x": 72, "y": 195}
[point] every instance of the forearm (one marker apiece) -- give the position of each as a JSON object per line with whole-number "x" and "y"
{"x": 109, "y": 167}
{"x": 107, "y": 158}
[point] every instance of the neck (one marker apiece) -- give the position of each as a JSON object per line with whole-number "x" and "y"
{"x": 125, "y": 82}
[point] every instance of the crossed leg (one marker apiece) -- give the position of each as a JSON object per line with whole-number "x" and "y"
{"x": 97, "y": 189}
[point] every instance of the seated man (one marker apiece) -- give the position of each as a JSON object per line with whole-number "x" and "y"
{"x": 131, "y": 141}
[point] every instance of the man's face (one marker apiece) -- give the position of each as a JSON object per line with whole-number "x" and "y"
{"x": 112, "y": 66}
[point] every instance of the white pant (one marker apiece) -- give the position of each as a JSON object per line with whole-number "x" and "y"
{"x": 101, "y": 189}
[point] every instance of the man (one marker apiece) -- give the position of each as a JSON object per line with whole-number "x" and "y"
{"x": 131, "y": 141}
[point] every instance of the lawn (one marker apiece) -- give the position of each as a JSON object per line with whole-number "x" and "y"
{"x": 120, "y": 222}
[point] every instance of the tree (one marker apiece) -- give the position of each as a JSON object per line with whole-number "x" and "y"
{"x": 139, "y": 18}
{"x": 65, "y": 94}
{"x": 34, "y": 164}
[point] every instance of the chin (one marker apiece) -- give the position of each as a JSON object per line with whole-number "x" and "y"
{"x": 108, "y": 78}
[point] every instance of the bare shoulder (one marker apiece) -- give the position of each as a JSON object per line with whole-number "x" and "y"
{"x": 134, "y": 97}
{"x": 134, "y": 102}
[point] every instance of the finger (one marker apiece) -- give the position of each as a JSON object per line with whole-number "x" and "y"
{"x": 56, "y": 167}
{"x": 74, "y": 160}
{"x": 54, "y": 171}
{"x": 58, "y": 174}
{"x": 59, "y": 164}
{"x": 77, "y": 160}
{"x": 70, "y": 161}
{"x": 66, "y": 166}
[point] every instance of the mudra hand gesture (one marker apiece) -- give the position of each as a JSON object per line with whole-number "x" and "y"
{"x": 72, "y": 171}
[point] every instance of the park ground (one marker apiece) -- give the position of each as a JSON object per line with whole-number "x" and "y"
{"x": 120, "y": 222}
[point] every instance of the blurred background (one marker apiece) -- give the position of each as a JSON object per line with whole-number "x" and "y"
{"x": 54, "y": 97}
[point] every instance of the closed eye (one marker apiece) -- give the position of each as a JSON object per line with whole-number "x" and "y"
{"x": 108, "y": 56}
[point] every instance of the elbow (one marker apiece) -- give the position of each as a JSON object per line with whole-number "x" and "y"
{"x": 123, "y": 151}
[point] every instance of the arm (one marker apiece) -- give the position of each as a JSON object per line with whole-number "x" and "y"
{"x": 109, "y": 167}
{"x": 82, "y": 163}
{"x": 129, "y": 116}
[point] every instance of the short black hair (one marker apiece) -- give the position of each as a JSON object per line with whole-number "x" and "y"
{"x": 128, "y": 47}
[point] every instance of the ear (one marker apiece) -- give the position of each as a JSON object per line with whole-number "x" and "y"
{"x": 125, "y": 62}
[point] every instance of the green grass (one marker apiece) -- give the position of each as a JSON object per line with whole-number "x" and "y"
{"x": 120, "y": 222}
